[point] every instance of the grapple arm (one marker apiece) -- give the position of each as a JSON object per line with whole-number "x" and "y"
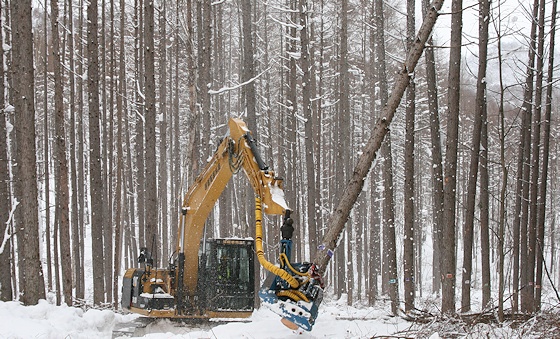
{"x": 298, "y": 305}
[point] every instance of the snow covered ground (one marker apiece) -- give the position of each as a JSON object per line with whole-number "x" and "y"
{"x": 336, "y": 320}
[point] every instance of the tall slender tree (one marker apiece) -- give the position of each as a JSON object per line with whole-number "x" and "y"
{"x": 95, "y": 162}
{"x": 23, "y": 87}
{"x": 119, "y": 198}
{"x": 5, "y": 196}
{"x": 409, "y": 215}
{"x": 62, "y": 198}
{"x": 523, "y": 175}
{"x": 150, "y": 127}
{"x": 389, "y": 241}
{"x": 545, "y": 160}
{"x": 80, "y": 289}
{"x": 468, "y": 227}
{"x": 76, "y": 253}
{"x": 162, "y": 107}
{"x": 437, "y": 162}
{"x": 447, "y": 243}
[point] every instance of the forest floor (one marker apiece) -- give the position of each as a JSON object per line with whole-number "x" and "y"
{"x": 336, "y": 320}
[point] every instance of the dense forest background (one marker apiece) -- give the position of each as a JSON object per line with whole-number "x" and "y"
{"x": 111, "y": 108}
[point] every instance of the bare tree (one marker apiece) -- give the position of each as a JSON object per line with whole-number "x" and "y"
{"x": 162, "y": 106}
{"x": 5, "y": 196}
{"x": 96, "y": 182}
{"x": 468, "y": 227}
{"x": 503, "y": 190}
{"x": 62, "y": 198}
{"x": 437, "y": 162}
{"x": 119, "y": 198}
{"x": 150, "y": 127}
{"x": 308, "y": 72}
{"x": 29, "y": 262}
{"x": 80, "y": 289}
{"x": 74, "y": 219}
{"x": 522, "y": 186}
{"x": 545, "y": 161}
{"x": 409, "y": 215}
{"x": 447, "y": 245}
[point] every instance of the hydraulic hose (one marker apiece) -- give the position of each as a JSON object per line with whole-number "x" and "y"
{"x": 293, "y": 295}
{"x": 260, "y": 253}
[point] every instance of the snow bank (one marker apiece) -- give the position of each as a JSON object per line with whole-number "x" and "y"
{"x": 50, "y": 321}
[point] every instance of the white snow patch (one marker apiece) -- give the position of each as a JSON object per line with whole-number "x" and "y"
{"x": 278, "y": 196}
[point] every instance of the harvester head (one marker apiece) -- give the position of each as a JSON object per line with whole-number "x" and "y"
{"x": 298, "y": 307}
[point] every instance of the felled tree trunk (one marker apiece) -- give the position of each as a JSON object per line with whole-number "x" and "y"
{"x": 350, "y": 194}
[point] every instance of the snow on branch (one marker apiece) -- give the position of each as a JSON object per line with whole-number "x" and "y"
{"x": 7, "y": 234}
{"x": 226, "y": 89}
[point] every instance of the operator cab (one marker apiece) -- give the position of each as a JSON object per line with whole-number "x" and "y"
{"x": 227, "y": 274}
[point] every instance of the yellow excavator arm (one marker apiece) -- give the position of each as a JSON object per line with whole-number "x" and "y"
{"x": 236, "y": 151}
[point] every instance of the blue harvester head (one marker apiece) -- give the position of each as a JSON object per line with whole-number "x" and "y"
{"x": 297, "y": 307}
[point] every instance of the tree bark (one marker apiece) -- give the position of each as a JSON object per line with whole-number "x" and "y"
{"x": 119, "y": 194}
{"x": 437, "y": 162}
{"x": 162, "y": 104}
{"x": 503, "y": 190}
{"x": 150, "y": 128}
{"x": 545, "y": 163}
{"x": 522, "y": 188}
{"x": 447, "y": 258}
{"x": 140, "y": 112}
{"x": 46, "y": 157}
{"x": 62, "y": 199}
{"x": 29, "y": 262}
{"x": 80, "y": 157}
{"x": 96, "y": 183}
{"x": 468, "y": 227}
{"x": 5, "y": 196}
{"x": 409, "y": 215}
{"x": 76, "y": 255}
{"x": 308, "y": 72}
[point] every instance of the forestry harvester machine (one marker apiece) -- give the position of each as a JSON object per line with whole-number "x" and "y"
{"x": 214, "y": 278}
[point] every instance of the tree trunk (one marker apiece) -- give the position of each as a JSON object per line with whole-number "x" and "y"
{"x": 535, "y": 164}
{"x": 105, "y": 155}
{"x": 119, "y": 194}
{"x": 96, "y": 184}
{"x": 447, "y": 258}
{"x": 522, "y": 188}
{"x": 80, "y": 158}
{"x": 308, "y": 72}
{"x": 33, "y": 284}
{"x": 503, "y": 190}
{"x": 437, "y": 162}
{"x": 162, "y": 104}
{"x": 409, "y": 215}
{"x": 62, "y": 199}
{"x": 468, "y": 227}
{"x": 76, "y": 255}
{"x": 389, "y": 243}
{"x": 545, "y": 161}
{"x": 5, "y": 196}
{"x": 46, "y": 157}
{"x": 150, "y": 128}
{"x": 484, "y": 212}
{"x": 140, "y": 112}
